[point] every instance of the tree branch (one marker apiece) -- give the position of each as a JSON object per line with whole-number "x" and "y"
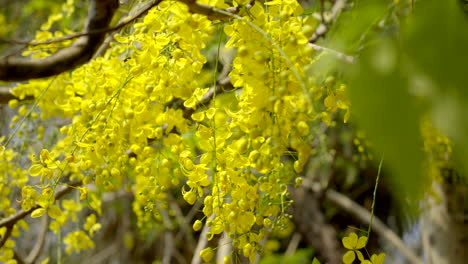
{"x": 6, "y": 236}
{"x": 208, "y": 11}
{"x": 34, "y": 254}
{"x": 10, "y": 221}
{"x": 100, "y": 14}
{"x": 202, "y": 242}
{"x": 323, "y": 28}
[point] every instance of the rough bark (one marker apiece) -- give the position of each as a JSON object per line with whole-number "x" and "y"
{"x": 312, "y": 224}
{"x": 445, "y": 225}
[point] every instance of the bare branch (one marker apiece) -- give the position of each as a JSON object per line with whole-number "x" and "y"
{"x": 10, "y": 221}
{"x": 224, "y": 248}
{"x": 168, "y": 247}
{"x": 100, "y": 14}
{"x": 293, "y": 244}
{"x": 202, "y": 242}
{"x": 34, "y": 254}
{"x": 323, "y": 28}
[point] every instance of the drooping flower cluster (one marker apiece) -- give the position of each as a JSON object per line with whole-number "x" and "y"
{"x": 128, "y": 125}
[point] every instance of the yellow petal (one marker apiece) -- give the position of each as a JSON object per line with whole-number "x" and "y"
{"x": 35, "y": 170}
{"x": 198, "y": 116}
{"x": 210, "y": 112}
{"x": 38, "y": 212}
{"x": 54, "y": 211}
{"x": 349, "y": 257}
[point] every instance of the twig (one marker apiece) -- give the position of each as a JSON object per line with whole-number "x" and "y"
{"x": 364, "y": 216}
{"x": 323, "y": 28}
{"x": 34, "y": 254}
{"x": 10, "y": 221}
{"x": 339, "y": 55}
{"x": 293, "y": 244}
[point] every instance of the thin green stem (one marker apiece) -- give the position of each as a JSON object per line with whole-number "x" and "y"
{"x": 374, "y": 197}
{"x": 20, "y": 124}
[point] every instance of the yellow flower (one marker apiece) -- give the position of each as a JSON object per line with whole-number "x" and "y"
{"x": 207, "y": 254}
{"x": 46, "y": 166}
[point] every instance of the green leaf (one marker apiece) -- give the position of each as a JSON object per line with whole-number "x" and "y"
{"x": 388, "y": 114}
{"x": 349, "y": 257}
{"x": 315, "y": 261}
{"x": 38, "y": 212}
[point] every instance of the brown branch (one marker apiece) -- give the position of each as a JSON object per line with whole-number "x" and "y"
{"x": 10, "y": 221}
{"x": 6, "y": 236}
{"x": 364, "y": 216}
{"x": 139, "y": 11}
{"x": 120, "y": 25}
{"x": 208, "y": 11}
{"x": 323, "y": 28}
{"x": 34, "y": 254}
{"x": 312, "y": 223}
{"x": 100, "y": 14}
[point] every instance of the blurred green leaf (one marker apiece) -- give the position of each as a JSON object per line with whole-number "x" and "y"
{"x": 385, "y": 110}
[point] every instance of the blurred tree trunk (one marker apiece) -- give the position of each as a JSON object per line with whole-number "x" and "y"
{"x": 445, "y": 225}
